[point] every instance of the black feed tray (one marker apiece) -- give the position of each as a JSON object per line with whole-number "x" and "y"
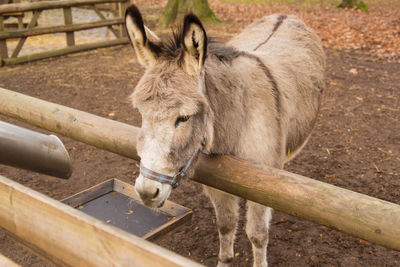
{"x": 115, "y": 202}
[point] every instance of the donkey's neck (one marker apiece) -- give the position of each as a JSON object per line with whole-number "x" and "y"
{"x": 224, "y": 89}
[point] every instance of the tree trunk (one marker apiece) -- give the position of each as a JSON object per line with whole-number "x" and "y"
{"x": 357, "y": 4}
{"x": 175, "y": 10}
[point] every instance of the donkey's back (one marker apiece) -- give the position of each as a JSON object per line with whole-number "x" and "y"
{"x": 294, "y": 55}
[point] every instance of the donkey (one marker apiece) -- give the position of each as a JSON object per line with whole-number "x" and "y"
{"x": 255, "y": 97}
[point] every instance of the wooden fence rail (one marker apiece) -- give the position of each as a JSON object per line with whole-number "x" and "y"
{"x": 58, "y": 29}
{"x": 69, "y": 28}
{"x": 356, "y": 214}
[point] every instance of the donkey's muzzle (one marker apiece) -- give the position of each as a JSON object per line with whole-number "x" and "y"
{"x": 148, "y": 194}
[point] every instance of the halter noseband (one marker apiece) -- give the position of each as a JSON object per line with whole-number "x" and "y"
{"x": 174, "y": 181}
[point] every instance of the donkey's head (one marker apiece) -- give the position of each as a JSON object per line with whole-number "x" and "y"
{"x": 176, "y": 118}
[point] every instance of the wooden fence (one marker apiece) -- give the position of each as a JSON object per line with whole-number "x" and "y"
{"x": 356, "y": 214}
{"x": 68, "y": 28}
{"x": 67, "y": 237}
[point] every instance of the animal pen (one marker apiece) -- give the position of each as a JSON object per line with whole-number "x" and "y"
{"x": 78, "y": 238}
{"x": 115, "y": 25}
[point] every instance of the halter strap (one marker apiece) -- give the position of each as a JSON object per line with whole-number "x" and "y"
{"x": 159, "y": 177}
{"x": 174, "y": 181}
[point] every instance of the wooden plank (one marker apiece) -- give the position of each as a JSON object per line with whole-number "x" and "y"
{"x": 107, "y": 7}
{"x": 58, "y": 29}
{"x": 21, "y": 42}
{"x": 89, "y": 194}
{"x": 64, "y": 51}
{"x": 356, "y": 214}
{"x": 4, "y": 261}
{"x": 43, "y": 5}
{"x": 14, "y": 14}
{"x": 66, "y": 236}
{"x": 3, "y": 43}
{"x": 70, "y": 37}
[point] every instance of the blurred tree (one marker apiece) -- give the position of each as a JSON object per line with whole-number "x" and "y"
{"x": 357, "y": 4}
{"x": 177, "y": 9}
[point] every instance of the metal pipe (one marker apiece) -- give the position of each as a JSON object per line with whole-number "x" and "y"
{"x": 26, "y": 149}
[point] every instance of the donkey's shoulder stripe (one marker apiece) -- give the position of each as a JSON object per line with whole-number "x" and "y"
{"x": 278, "y": 23}
{"x": 275, "y": 88}
{"x": 269, "y": 75}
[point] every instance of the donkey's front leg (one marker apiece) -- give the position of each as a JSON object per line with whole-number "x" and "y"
{"x": 227, "y": 212}
{"x": 257, "y": 226}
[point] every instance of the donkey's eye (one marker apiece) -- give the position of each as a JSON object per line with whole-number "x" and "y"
{"x": 181, "y": 119}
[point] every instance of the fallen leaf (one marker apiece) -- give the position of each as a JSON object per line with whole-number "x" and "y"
{"x": 353, "y": 71}
{"x": 334, "y": 83}
{"x": 330, "y": 176}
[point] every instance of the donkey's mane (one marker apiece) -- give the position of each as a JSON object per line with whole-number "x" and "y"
{"x": 171, "y": 48}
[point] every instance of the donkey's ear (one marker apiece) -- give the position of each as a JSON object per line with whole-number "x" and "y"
{"x": 194, "y": 43}
{"x": 151, "y": 35}
{"x": 144, "y": 47}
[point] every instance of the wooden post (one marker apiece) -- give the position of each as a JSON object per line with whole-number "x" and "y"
{"x": 21, "y": 22}
{"x": 3, "y": 43}
{"x": 122, "y": 8}
{"x": 356, "y": 214}
{"x": 70, "y": 37}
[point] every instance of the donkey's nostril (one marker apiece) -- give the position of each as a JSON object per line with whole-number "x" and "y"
{"x": 156, "y": 193}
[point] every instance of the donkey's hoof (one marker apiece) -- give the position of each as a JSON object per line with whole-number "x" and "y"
{"x": 225, "y": 262}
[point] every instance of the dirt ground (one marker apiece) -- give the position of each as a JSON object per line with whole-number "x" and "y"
{"x": 355, "y": 145}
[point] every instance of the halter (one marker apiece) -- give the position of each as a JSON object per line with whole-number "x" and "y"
{"x": 174, "y": 181}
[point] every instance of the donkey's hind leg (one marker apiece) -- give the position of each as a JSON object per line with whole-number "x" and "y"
{"x": 257, "y": 226}
{"x": 227, "y": 212}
